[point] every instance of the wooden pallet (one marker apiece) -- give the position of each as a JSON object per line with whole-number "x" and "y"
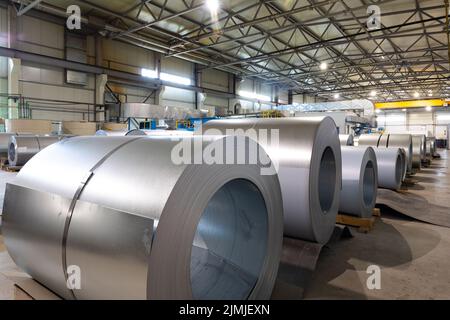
{"x": 376, "y": 212}
{"x": 363, "y": 224}
{"x": 9, "y": 168}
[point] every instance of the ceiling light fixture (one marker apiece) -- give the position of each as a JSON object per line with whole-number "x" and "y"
{"x": 323, "y": 66}
{"x": 213, "y": 5}
{"x": 429, "y": 108}
{"x": 337, "y": 96}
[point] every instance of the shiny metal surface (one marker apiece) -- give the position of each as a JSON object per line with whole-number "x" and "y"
{"x": 359, "y": 181}
{"x": 391, "y": 167}
{"x": 110, "y": 133}
{"x": 370, "y": 140}
{"x": 23, "y": 148}
{"x": 4, "y": 143}
{"x": 346, "y": 139}
{"x": 308, "y": 156}
{"x": 431, "y": 147}
{"x": 403, "y": 141}
{"x": 169, "y": 133}
{"x": 419, "y": 150}
{"x": 142, "y": 226}
{"x": 403, "y": 155}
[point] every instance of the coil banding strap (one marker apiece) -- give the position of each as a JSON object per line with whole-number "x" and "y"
{"x": 75, "y": 198}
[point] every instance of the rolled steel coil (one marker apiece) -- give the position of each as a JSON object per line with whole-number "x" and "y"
{"x": 110, "y": 133}
{"x": 403, "y": 155}
{"x": 308, "y": 157}
{"x": 23, "y": 148}
{"x": 391, "y": 167}
{"x": 359, "y": 181}
{"x": 4, "y": 141}
{"x": 369, "y": 140}
{"x": 137, "y": 223}
{"x": 419, "y": 150}
{"x": 431, "y": 147}
{"x": 346, "y": 139}
{"x": 402, "y": 141}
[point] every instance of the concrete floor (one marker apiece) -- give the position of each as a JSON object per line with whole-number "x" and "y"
{"x": 414, "y": 257}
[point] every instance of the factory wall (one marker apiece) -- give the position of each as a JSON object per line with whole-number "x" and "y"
{"x": 3, "y": 63}
{"x": 416, "y": 122}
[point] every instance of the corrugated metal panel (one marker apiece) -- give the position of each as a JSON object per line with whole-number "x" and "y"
{"x": 246, "y": 85}
{"x": 212, "y": 101}
{"x": 3, "y": 28}
{"x": 40, "y": 37}
{"x": 126, "y": 57}
{"x": 178, "y": 67}
{"x": 51, "y": 92}
{"x": 174, "y": 97}
{"x": 422, "y": 118}
{"x": 214, "y": 79}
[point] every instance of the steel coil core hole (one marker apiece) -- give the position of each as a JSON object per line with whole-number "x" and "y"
{"x": 369, "y": 184}
{"x": 12, "y": 152}
{"x": 230, "y": 243}
{"x": 327, "y": 179}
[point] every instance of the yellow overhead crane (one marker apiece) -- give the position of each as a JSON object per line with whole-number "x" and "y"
{"x": 437, "y": 103}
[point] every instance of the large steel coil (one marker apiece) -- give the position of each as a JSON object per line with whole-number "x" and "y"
{"x": 359, "y": 181}
{"x": 23, "y": 148}
{"x": 419, "y": 150}
{"x": 5, "y": 137}
{"x": 403, "y": 155}
{"x": 391, "y": 164}
{"x": 308, "y": 155}
{"x": 369, "y": 140}
{"x": 137, "y": 222}
{"x": 402, "y": 141}
{"x": 346, "y": 139}
{"x": 431, "y": 147}
{"x": 4, "y": 143}
{"x": 391, "y": 141}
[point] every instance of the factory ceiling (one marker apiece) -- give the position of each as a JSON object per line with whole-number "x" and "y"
{"x": 334, "y": 48}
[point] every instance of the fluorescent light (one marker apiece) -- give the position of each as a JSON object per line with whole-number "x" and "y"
{"x": 252, "y": 95}
{"x": 213, "y": 5}
{"x": 175, "y": 79}
{"x": 373, "y": 93}
{"x": 429, "y": 108}
{"x": 416, "y": 95}
{"x": 149, "y": 73}
{"x": 323, "y": 66}
{"x": 377, "y": 111}
{"x": 404, "y": 110}
{"x": 337, "y": 96}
